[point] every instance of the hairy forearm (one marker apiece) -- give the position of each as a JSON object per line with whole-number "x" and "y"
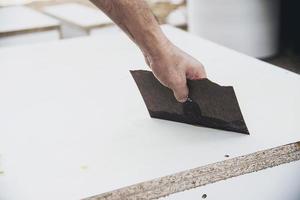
{"x": 136, "y": 19}
{"x": 170, "y": 65}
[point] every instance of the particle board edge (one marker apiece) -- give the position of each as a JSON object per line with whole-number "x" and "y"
{"x": 31, "y": 30}
{"x": 207, "y": 174}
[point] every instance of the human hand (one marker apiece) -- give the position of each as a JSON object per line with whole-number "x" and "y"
{"x": 172, "y": 67}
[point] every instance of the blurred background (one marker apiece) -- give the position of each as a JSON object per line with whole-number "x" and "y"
{"x": 265, "y": 29}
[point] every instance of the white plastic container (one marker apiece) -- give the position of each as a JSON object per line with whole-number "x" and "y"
{"x": 248, "y": 26}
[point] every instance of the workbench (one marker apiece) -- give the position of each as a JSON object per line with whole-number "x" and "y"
{"x": 73, "y": 123}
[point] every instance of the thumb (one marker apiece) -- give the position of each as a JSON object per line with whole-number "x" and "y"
{"x": 181, "y": 90}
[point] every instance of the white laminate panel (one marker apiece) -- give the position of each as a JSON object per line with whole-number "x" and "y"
{"x": 73, "y": 124}
{"x": 30, "y": 38}
{"x": 22, "y": 18}
{"x": 77, "y": 14}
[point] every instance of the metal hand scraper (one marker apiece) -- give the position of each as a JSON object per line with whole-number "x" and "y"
{"x": 209, "y": 104}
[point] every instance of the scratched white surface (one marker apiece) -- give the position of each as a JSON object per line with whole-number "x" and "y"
{"x": 73, "y": 124}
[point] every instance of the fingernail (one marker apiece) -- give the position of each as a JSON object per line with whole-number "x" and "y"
{"x": 183, "y": 100}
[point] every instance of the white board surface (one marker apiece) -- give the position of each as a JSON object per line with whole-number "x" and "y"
{"x": 73, "y": 124}
{"x": 277, "y": 183}
{"x": 79, "y": 15}
{"x": 20, "y": 18}
{"x": 30, "y": 38}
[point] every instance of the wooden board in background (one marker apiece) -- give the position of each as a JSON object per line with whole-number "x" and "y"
{"x": 23, "y": 25}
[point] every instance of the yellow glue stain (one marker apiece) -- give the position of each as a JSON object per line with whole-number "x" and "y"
{"x": 1, "y": 172}
{"x": 84, "y": 167}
